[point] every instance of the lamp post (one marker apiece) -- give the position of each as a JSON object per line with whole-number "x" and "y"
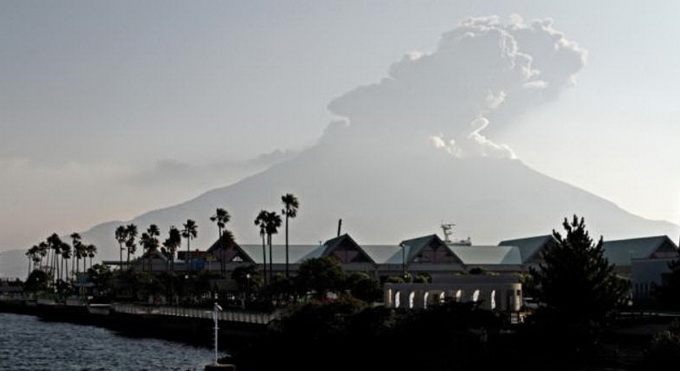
{"x": 245, "y": 297}
{"x": 216, "y": 308}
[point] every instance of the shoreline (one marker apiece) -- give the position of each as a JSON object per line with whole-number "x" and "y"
{"x": 232, "y": 335}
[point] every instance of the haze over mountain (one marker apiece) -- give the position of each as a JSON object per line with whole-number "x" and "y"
{"x": 416, "y": 149}
{"x": 412, "y": 151}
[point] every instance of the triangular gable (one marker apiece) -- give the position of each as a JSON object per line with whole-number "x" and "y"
{"x": 227, "y": 250}
{"x": 233, "y": 254}
{"x": 429, "y": 249}
{"x": 666, "y": 249}
{"x": 531, "y": 248}
{"x": 621, "y": 252}
{"x": 225, "y": 240}
{"x": 346, "y": 250}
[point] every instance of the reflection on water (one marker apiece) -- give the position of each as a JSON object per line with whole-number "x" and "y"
{"x": 27, "y": 343}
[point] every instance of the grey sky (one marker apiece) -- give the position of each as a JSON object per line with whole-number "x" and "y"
{"x": 110, "y": 109}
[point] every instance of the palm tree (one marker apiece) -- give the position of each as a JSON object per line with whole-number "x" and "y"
{"x": 145, "y": 243}
{"x": 291, "y": 205}
{"x": 261, "y": 221}
{"x": 130, "y": 245}
{"x": 172, "y": 243}
{"x": 153, "y": 230}
{"x": 29, "y": 254}
{"x": 272, "y": 227}
{"x": 91, "y": 251}
{"x": 54, "y": 243}
{"x": 189, "y": 232}
{"x": 43, "y": 249}
{"x": 82, "y": 251}
{"x": 37, "y": 260}
{"x": 65, "y": 257}
{"x": 32, "y": 255}
{"x": 77, "y": 249}
{"x": 221, "y": 218}
{"x": 149, "y": 244}
{"x": 121, "y": 237}
{"x": 46, "y": 255}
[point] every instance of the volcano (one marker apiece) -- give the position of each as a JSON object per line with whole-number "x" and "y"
{"x": 410, "y": 153}
{"x": 388, "y": 197}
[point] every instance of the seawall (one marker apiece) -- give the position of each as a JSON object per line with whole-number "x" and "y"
{"x": 190, "y": 326}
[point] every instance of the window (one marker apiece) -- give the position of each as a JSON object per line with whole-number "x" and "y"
{"x": 475, "y": 295}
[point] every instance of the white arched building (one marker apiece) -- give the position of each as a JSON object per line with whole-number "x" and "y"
{"x": 498, "y": 293}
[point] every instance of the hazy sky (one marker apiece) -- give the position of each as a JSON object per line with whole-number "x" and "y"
{"x": 111, "y": 109}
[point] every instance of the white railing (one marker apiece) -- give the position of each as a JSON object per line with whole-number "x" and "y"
{"x": 231, "y": 316}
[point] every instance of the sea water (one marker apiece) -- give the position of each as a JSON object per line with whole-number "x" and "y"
{"x": 28, "y": 343}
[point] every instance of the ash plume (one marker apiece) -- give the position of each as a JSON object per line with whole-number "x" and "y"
{"x": 483, "y": 74}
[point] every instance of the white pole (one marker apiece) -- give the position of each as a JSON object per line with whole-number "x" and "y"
{"x": 215, "y": 309}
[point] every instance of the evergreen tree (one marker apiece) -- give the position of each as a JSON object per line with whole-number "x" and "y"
{"x": 575, "y": 280}
{"x": 668, "y": 293}
{"x": 320, "y": 276}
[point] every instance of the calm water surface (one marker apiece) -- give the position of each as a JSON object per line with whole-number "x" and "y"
{"x": 27, "y": 343}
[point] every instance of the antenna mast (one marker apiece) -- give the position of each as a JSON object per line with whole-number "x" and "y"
{"x": 447, "y": 229}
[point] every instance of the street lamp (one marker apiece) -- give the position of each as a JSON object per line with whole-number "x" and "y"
{"x": 243, "y": 303}
{"x": 216, "y": 308}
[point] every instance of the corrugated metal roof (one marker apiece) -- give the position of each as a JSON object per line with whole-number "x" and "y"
{"x": 296, "y": 253}
{"x": 512, "y": 252}
{"x": 488, "y": 255}
{"x": 620, "y": 252}
{"x": 391, "y": 254}
{"x": 384, "y": 254}
{"x": 529, "y": 246}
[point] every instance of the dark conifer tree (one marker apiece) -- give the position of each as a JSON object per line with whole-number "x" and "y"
{"x": 668, "y": 293}
{"x": 575, "y": 279}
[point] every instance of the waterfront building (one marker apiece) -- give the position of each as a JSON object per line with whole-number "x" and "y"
{"x": 11, "y": 289}
{"x": 493, "y": 292}
{"x": 643, "y": 260}
{"x": 428, "y": 255}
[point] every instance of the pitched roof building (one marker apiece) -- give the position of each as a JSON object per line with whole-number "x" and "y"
{"x": 643, "y": 259}
{"x": 530, "y": 248}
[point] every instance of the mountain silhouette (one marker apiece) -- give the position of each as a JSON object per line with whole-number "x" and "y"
{"x": 414, "y": 150}
{"x": 384, "y": 197}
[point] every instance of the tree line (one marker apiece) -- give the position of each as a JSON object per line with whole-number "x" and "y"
{"x": 51, "y": 258}
{"x": 268, "y": 222}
